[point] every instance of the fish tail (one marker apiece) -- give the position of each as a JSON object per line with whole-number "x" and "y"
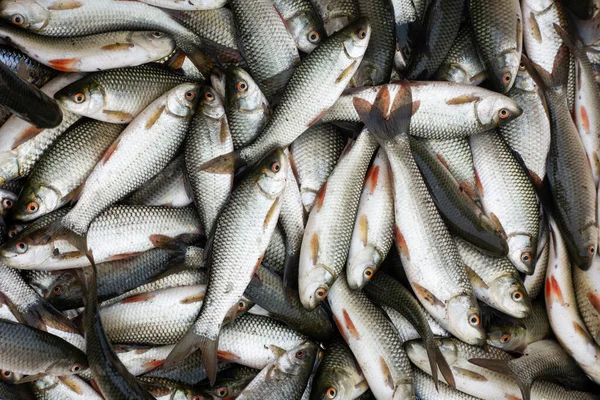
{"x": 189, "y": 344}
{"x": 383, "y": 120}
{"x": 42, "y": 315}
{"x": 442, "y": 364}
{"x": 503, "y": 367}
{"x": 224, "y": 164}
{"x": 200, "y": 60}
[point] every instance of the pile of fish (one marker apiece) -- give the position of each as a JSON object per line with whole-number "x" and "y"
{"x": 199, "y": 199}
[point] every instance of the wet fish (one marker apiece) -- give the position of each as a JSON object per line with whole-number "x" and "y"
{"x": 426, "y": 389}
{"x": 64, "y": 387}
{"x": 336, "y": 14}
{"x": 588, "y": 297}
{"x": 534, "y": 283}
{"x": 276, "y": 253}
{"x": 35, "y": 73}
{"x": 230, "y": 383}
{"x": 302, "y": 22}
{"x": 187, "y": 5}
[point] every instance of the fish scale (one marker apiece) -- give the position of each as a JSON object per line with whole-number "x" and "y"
{"x": 426, "y": 389}
{"x": 37, "y": 74}
{"x": 462, "y": 63}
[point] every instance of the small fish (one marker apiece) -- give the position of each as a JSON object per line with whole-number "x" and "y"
{"x": 516, "y": 335}
{"x": 302, "y": 22}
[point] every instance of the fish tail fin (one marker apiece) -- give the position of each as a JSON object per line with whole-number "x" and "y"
{"x": 503, "y": 367}
{"x": 42, "y": 315}
{"x": 191, "y": 342}
{"x": 442, "y": 364}
{"x": 201, "y": 61}
{"x": 224, "y": 164}
{"x": 208, "y": 347}
{"x": 385, "y": 120}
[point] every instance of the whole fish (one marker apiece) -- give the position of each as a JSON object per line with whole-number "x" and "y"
{"x": 373, "y": 341}
{"x": 208, "y": 137}
{"x": 147, "y": 227}
{"x": 509, "y": 198}
{"x": 87, "y": 17}
{"x": 168, "y": 188}
{"x": 587, "y": 292}
{"x": 462, "y": 215}
{"x": 120, "y": 95}
{"x": 286, "y": 377}
{"x": 541, "y": 359}
{"x": 90, "y": 53}
{"x": 429, "y": 255}
{"x": 314, "y": 87}
{"x": 187, "y": 5}
{"x": 514, "y": 336}
{"x": 535, "y": 283}
{"x": 26, "y": 101}
{"x": 529, "y": 135}
{"x": 302, "y": 22}
{"x": 314, "y": 155}
{"x": 441, "y": 110}
{"x": 338, "y": 375}
{"x": 328, "y": 230}
{"x": 373, "y": 232}
{"x": 27, "y": 350}
{"x": 462, "y": 63}
{"x": 269, "y": 50}
{"x": 248, "y": 219}
{"x": 336, "y": 14}
{"x": 142, "y": 150}
{"x": 63, "y": 387}
{"x": 78, "y": 150}
{"x": 246, "y": 106}
{"x": 499, "y": 37}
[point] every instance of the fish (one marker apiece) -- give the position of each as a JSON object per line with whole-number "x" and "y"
{"x": 190, "y": 372}
{"x": 69, "y": 387}
{"x": 276, "y": 253}
{"x": 534, "y": 283}
{"x": 302, "y": 22}
{"x": 7, "y": 201}
{"x": 230, "y": 383}
{"x": 328, "y": 231}
{"x": 249, "y": 217}
{"x": 336, "y": 14}
{"x": 187, "y": 5}
{"x": 32, "y": 71}
{"x": 585, "y": 285}
{"x": 438, "y": 278}
{"x": 426, "y": 389}
{"x": 373, "y": 232}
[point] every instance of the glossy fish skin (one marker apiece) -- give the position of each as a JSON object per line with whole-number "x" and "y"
{"x": 499, "y": 37}
{"x": 373, "y": 232}
{"x": 286, "y": 377}
{"x": 406, "y": 331}
{"x": 563, "y": 313}
{"x": 443, "y": 21}
{"x": 269, "y": 50}
{"x": 77, "y": 151}
{"x": 239, "y": 240}
{"x": 246, "y": 106}
{"x": 208, "y": 137}
{"x": 27, "y": 101}
{"x": 276, "y": 253}
{"x": 441, "y": 110}
{"x": 268, "y": 291}
{"x": 377, "y": 63}
{"x": 336, "y": 14}
{"x": 229, "y": 384}
{"x": 314, "y": 155}
{"x": 462, "y": 63}
{"x": 63, "y": 387}
{"x": 509, "y": 198}
{"x": 373, "y": 341}
{"x": 148, "y": 227}
{"x": 8, "y": 200}
{"x": 190, "y": 372}
{"x": 118, "y": 96}
{"x": 515, "y": 336}
{"x": 463, "y": 216}
{"x": 187, "y": 5}
{"x": 27, "y": 350}
{"x": 529, "y": 135}
{"x": 588, "y": 293}
{"x": 302, "y": 22}
{"x": 168, "y": 188}
{"x": 37, "y": 74}
{"x": 142, "y": 150}
{"x": 426, "y": 389}
{"x": 495, "y": 281}
{"x": 339, "y": 371}
{"x": 90, "y": 53}
{"x": 323, "y": 75}
{"x": 429, "y": 255}
{"x": 328, "y": 231}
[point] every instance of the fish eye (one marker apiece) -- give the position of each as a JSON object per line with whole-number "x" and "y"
{"x": 522, "y": 66}
{"x": 314, "y": 37}
{"x": 197, "y": 397}
{"x": 12, "y": 233}
{"x": 275, "y": 166}
{"x": 331, "y": 393}
{"x": 474, "y": 320}
{"x": 591, "y": 250}
{"x": 503, "y": 113}
{"x": 21, "y": 247}
{"x": 525, "y": 257}
{"x": 208, "y": 96}
{"x": 57, "y": 289}
{"x": 75, "y": 368}
{"x": 242, "y": 86}
{"x": 368, "y": 274}
{"x": 6, "y": 373}
{"x": 157, "y": 34}
{"x": 18, "y": 19}
{"x": 32, "y": 207}
{"x": 189, "y": 96}
{"x": 505, "y": 338}
{"x": 79, "y": 98}
{"x": 7, "y": 203}
{"x": 361, "y": 33}
{"x": 320, "y": 293}
{"x": 241, "y": 306}
{"x": 300, "y": 354}
{"x": 517, "y": 295}
{"x": 506, "y": 77}
{"x": 222, "y": 391}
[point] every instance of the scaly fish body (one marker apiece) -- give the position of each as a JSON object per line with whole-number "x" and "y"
{"x": 426, "y": 389}
{"x": 336, "y": 14}
{"x": 587, "y": 290}
{"x": 63, "y": 388}
{"x": 534, "y": 283}
{"x": 187, "y": 5}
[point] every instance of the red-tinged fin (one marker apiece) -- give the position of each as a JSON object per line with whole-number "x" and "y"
{"x": 350, "y": 325}
{"x": 317, "y": 118}
{"x": 314, "y": 248}
{"x": 71, "y": 384}
{"x": 155, "y": 116}
{"x": 122, "y": 256}
{"x": 478, "y": 184}
{"x": 443, "y": 161}
{"x": 225, "y": 356}
{"x": 427, "y": 295}
{"x": 61, "y": 5}
{"x": 415, "y": 107}
{"x": 117, "y": 46}
{"x": 363, "y": 229}
{"x": 469, "y": 188}
{"x": 120, "y": 116}
{"x": 470, "y": 375}
{"x": 138, "y": 298}
{"x": 401, "y": 243}
{"x": 503, "y": 367}
{"x": 556, "y": 291}
{"x": 594, "y": 300}
{"x": 387, "y": 374}
{"x": 585, "y": 121}
{"x": 373, "y": 178}
{"x": 511, "y": 397}
{"x": 583, "y": 332}
{"x": 195, "y": 298}
{"x": 224, "y": 164}
{"x": 65, "y": 64}
{"x": 386, "y": 122}
{"x": 110, "y": 151}
{"x": 26, "y": 135}
{"x": 152, "y": 365}
{"x": 320, "y": 198}
{"x": 162, "y": 241}
{"x": 464, "y": 99}
{"x": 340, "y": 328}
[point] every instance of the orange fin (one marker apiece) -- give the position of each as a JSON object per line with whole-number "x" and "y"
{"x": 401, "y": 243}
{"x": 65, "y": 64}
{"x": 350, "y": 325}
{"x": 138, "y": 298}
{"x": 110, "y": 151}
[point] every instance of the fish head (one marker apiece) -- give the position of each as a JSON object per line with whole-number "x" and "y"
{"x": 74, "y": 362}
{"x": 301, "y": 358}
{"x": 35, "y": 202}
{"x": 507, "y": 337}
{"x": 270, "y": 175}
{"x": 8, "y": 201}
{"x": 416, "y": 351}
{"x": 362, "y": 267}
{"x": 34, "y": 249}
{"x": 182, "y": 100}
{"x": 211, "y": 104}
{"x": 511, "y": 296}
{"x": 26, "y": 14}
{"x": 357, "y": 38}
{"x": 154, "y": 42}
{"x": 505, "y": 68}
{"x": 336, "y": 383}
{"x": 524, "y": 81}
{"x": 15, "y": 229}
{"x": 313, "y": 287}
{"x": 64, "y": 292}
{"x": 496, "y": 109}
{"x": 307, "y": 31}
{"x": 464, "y": 319}
{"x": 242, "y": 91}
{"x": 522, "y": 253}
{"x": 587, "y": 247}
{"x": 84, "y": 97}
